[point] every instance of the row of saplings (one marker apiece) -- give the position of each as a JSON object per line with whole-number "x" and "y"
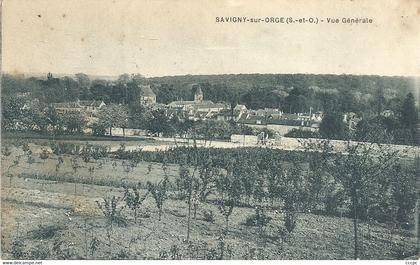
{"x": 201, "y": 184}
{"x": 353, "y": 184}
{"x": 367, "y": 181}
{"x": 269, "y": 184}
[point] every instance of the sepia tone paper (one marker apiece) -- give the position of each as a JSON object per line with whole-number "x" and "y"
{"x": 217, "y": 165}
{"x": 161, "y": 37}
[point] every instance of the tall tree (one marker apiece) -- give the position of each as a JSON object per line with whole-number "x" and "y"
{"x": 332, "y": 126}
{"x": 409, "y": 115}
{"x": 409, "y": 118}
{"x": 112, "y": 116}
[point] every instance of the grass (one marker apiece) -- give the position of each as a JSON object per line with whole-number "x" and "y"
{"x": 315, "y": 237}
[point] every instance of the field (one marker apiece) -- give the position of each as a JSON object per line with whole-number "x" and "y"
{"x": 51, "y": 212}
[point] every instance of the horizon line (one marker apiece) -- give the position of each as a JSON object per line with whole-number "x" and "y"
{"x": 38, "y": 74}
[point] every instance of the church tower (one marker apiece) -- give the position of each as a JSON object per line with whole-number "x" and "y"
{"x": 198, "y": 96}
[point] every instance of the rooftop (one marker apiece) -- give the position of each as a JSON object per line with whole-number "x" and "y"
{"x": 146, "y": 91}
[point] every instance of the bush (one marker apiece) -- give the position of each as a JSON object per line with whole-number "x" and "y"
{"x": 298, "y": 133}
{"x": 333, "y": 201}
{"x": 45, "y": 231}
{"x": 40, "y": 252}
{"x": 98, "y": 129}
{"x": 208, "y": 216}
{"x": 257, "y": 219}
{"x": 64, "y": 148}
{"x": 17, "y": 248}
{"x": 290, "y": 221}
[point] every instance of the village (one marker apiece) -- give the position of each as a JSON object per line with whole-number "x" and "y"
{"x": 201, "y": 109}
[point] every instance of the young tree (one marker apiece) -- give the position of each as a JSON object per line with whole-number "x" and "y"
{"x": 133, "y": 200}
{"x": 158, "y": 192}
{"x": 357, "y": 168}
{"x": 112, "y": 213}
{"x": 185, "y": 183}
{"x": 228, "y": 187}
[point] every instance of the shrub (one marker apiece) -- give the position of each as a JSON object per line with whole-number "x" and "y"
{"x": 98, "y": 129}
{"x": 45, "y": 231}
{"x": 40, "y": 252}
{"x": 44, "y": 155}
{"x": 257, "y": 219}
{"x": 208, "y": 216}
{"x": 333, "y": 201}
{"x": 122, "y": 254}
{"x": 110, "y": 209}
{"x": 17, "y": 248}
{"x": 298, "y": 133}
{"x": 61, "y": 250}
{"x": 5, "y": 151}
{"x": 290, "y": 221}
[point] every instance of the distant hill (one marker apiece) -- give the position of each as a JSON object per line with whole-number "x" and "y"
{"x": 361, "y": 83}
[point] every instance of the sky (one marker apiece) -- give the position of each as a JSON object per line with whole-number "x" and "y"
{"x": 172, "y": 37}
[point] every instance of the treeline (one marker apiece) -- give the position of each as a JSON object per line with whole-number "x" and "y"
{"x": 399, "y": 127}
{"x": 366, "y": 96}
{"x": 38, "y": 117}
{"x": 291, "y": 93}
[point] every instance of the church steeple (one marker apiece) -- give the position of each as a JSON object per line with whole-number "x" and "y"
{"x": 198, "y": 96}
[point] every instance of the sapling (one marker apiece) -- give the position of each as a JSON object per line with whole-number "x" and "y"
{"x": 75, "y": 166}
{"x": 93, "y": 246}
{"x": 149, "y": 169}
{"x": 25, "y": 148}
{"x": 59, "y": 163}
{"x": 10, "y": 175}
{"x": 114, "y": 165}
{"x": 127, "y": 169}
{"x": 226, "y": 208}
{"x": 133, "y": 200}
{"x": 229, "y": 190}
{"x": 112, "y": 213}
{"x": 91, "y": 171}
{"x": 158, "y": 192}
{"x": 30, "y": 160}
{"x": 185, "y": 183}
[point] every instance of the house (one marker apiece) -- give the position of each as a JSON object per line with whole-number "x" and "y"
{"x": 240, "y": 108}
{"x": 279, "y": 122}
{"x": 351, "y": 119}
{"x": 147, "y": 96}
{"x": 88, "y": 108}
{"x": 226, "y": 115}
{"x": 387, "y": 113}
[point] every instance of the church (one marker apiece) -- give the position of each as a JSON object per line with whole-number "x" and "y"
{"x": 199, "y": 107}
